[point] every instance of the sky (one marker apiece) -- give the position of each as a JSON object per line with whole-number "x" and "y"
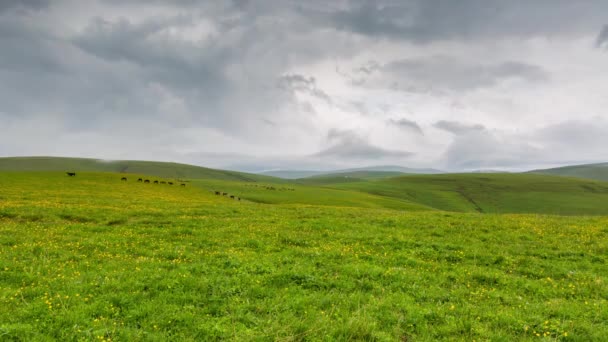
{"x": 278, "y": 84}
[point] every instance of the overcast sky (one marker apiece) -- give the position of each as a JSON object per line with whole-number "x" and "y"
{"x": 277, "y": 84}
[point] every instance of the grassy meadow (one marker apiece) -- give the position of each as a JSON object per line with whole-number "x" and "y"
{"x": 92, "y": 258}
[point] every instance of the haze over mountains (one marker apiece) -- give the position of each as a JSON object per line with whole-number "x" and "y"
{"x": 394, "y": 169}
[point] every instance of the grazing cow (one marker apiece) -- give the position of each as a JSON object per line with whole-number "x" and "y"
{"x": 71, "y": 174}
{"x": 140, "y": 180}
{"x": 232, "y": 196}
{"x": 147, "y": 181}
{"x": 163, "y": 182}
{"x": 183, "y": 184}
{"x": 155, "y": 182}
{"x": 123, "y": 179}
{"x": 217, "y": 193}
{"x": 238, "y": 198}
{"x": 224, "y": 194}
{"x": 170, "y": 183}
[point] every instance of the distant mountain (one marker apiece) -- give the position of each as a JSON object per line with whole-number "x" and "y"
{"x": 393, "y": 169}
{"x": 152, "y": 168}
{"x": 292, "y": 174}
{"x": 589, "y": 171}
{"x": 488, "y": 171}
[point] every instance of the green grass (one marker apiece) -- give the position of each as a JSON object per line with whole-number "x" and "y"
{"x": 287, "y": 193}
{"x": 159, "y": 169}
{"x": 93, "y": 258}
{"x": 493, "y": 193}
{"x": 589, "y": 171}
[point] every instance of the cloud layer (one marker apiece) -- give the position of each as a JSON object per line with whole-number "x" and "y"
{"x": 278, "y": 84}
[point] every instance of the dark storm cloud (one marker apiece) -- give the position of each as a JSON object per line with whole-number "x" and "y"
{"x": 408, "y": 125}
{"x": 458, "y": 128}
{"x": 23, "y": 5}
{"x": 347, "y": 144}
{"x": 180, "y": 64}
{"x": 428, "y": 20}
{"x": 602, "y": 37}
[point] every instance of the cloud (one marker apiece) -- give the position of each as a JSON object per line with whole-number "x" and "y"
{"x": 424, "y": 21}
{"x": 346, "y": 144}
{"x": 406, "y": 124}
{"x": 444, "y": 73}
{"x": 572, "y": 141}
{"x": 21, "y": 5}
{"x": 298, "y": 83}
{"x": 602, "y": 37}
{"x": 458, "y": 128}
{"x": 262, "y": 82}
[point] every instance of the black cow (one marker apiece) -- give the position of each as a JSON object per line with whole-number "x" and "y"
{"x": 123, "y": 179}
{"x": 224, "y": 194}
{"x": 147, "y": 181}
{"x": 170, "y": 183}
{"x": 163, "y": 182}
{"x": 217, "y": 193}
{"x": 232, "y": 196}
{"x": 238, "y": 198}
{"x": 155, "y": 182}
{"x": 183, "y": 184}
{"x": 140, "y": 180}
{"x": 71, "y": 174}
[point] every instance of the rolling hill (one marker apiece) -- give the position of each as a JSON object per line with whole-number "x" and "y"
{"x": 473, "y": 192}
{"x": 589, "y": 171}
{"x": 152, "y": 168}
{"x": 491, "y": 193}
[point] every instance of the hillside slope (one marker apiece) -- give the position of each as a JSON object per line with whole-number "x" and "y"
{"x": 589, "y": 171}
{"x": 159, "y": 169}
{"x": 493, "y": 193}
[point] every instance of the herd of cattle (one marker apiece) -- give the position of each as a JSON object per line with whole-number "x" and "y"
{"x": 141, "y": 180}
{"x": 218, "y": 193}
{"x": 271, "y": 187}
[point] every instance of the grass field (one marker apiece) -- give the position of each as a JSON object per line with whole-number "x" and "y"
{"x": 94, "y": 258}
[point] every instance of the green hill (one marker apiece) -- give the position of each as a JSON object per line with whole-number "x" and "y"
{"x": 589, "y": 171}
{"x": 493, "y": 193}
{"x": 159, "y": 169}
{"x": 484, "y": 193}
